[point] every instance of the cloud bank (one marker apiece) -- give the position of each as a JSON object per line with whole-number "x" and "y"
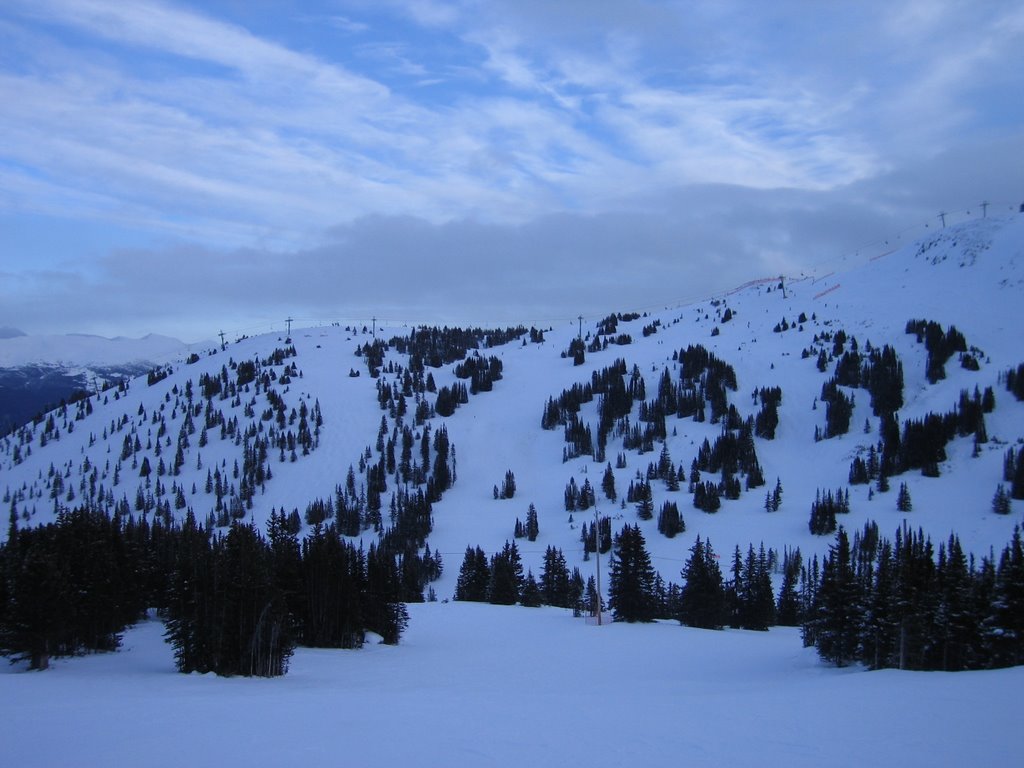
{"x": 184, "y": 168}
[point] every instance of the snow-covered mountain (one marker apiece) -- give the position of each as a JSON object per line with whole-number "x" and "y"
{"x": 772, "y": 333}
{"x": 37, "y": 371}
{"x": 513, "y": 685}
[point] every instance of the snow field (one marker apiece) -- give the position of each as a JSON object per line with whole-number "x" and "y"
{"x": 483, "y": 685}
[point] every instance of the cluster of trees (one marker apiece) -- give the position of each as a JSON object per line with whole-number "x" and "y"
{"x": 157, "y": 441}
{"x": 508, "y": 487}
{"x": 1013, "y": 472}
{"x": 838, "y": 410}
{"x": 900, "y": 604}
{"x": 785, "y": 325}
{"x": 767, "y": 418}
{"x": 825, "y": 508}
{"x": 450, "y": 398}
{"x": 236, "y": 603}
{"x": 732, "y": 454}
{"x": 670, "y": 521}
{"x": 577, "y": 351}
{"x": 666, "y": 471}
{"x": 71, "y": 586}
{"x": 434, "y": 347}
{"x": 711, "y": 377}
{"x": 481, "y": 372}
{"x": 705, "y": 599}
{"x": 499, "y": 580}
{"x": 1014, "y": 379}
{"x": 577, "y": 497}
{"x": 941, "y": 345}
{"x": 609, "y": 325}
{"x": 922, "y": 442}
{"x": 531, "y": 529}
{"x": 879, "y": 371}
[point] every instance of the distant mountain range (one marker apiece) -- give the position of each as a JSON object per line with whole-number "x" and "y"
{"x": 37, "y": 372}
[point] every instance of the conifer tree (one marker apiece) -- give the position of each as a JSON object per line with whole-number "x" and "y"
{"x": 474, "y": 576}
{"x": 608, "y": 483}
{"x": 506, "y": 583}
{"x": 702, "y": 599}
{"x": 903, "y": 502}
{"x": 787, "y": 607}
{"x": 532, "y": 527}
{"x": 631, "y": 584}
{"x": 644, "y": 503}
{"x": 1001, "y": 501}
{"x": 838, "y": 609}
{"x": 531, "y": 597}
{"x": 554, "y": 579}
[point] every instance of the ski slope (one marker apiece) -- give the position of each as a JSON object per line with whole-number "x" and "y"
{"x": 491, "y": 686}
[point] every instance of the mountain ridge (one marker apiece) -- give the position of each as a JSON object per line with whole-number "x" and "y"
{"x": 499, "y": 431}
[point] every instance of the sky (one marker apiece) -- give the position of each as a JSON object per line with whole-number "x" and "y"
{"x": 188, "y": 168}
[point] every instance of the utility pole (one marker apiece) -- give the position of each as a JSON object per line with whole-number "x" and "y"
{"x": 222, "y": 341}
{"x": 581, "y": 328}
{"x": 942, "y": 217}
{"x": 374, "y": 327}
{"x": 597, "y": 562}
{"x": 289, "y": 321}
{"x": 782, "y": 281}
{"x": 984, "y": 209}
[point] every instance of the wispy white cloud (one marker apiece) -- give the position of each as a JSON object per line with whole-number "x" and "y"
{"x": 157, "y": 117}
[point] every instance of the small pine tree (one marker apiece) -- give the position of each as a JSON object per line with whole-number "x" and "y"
{"x": 531, "y": 597}
{"x": 532, "y": 527}
{"x": 777, "y": 495}
{"x": 1001, "y": 501}
{"x": 608, "y": 483}
{"x": 903, "y": 502}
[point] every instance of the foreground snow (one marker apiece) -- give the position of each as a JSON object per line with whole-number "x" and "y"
{"x": 491, "y": 686}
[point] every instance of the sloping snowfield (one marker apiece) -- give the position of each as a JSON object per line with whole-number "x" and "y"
{"x": 484, "y": 685}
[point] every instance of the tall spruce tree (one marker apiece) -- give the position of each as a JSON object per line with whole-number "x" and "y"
{"x": 838, "y": 610}
{"x": 474, "y": 576}
{"x": 631, "y": 584}
{"x": 702, "y": 599}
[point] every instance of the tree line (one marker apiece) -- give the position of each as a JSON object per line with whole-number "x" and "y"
{"x": 235, "y": 602}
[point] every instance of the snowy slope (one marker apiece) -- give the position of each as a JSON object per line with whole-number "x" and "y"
{"x": 970, "y": 275}
{"x": 493, "y": 686}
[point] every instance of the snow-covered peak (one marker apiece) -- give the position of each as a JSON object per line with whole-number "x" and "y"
{"x": 84, "y": 350}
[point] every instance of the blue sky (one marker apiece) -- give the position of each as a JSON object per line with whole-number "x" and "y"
{"x": 186, "y": 167}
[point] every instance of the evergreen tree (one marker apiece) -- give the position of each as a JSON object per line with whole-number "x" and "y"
{"x": 554, "y": 579}
{"x": 631, "y": 584}
{"x": 670, "y": 522}
{"x": 474, "y": 576}
{"x": 903, "y": 502}
{"x": 1001, "y": 501}
{"x": 255, "y": 637}
{"x": 506, "y": 584}
{"x": 838, "y": 609}
{"x": 532, "y": 527}
{"x": 608, "y": 483}
{"x": 531, "y": 597}
{"x": 1008, "y": 605}
{"x": 644, "y": 502}
{"x": 702, "y": 600}
{"x": 787, "y": 607}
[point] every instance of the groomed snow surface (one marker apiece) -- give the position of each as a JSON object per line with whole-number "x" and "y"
{"x": 481, "y": 685}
